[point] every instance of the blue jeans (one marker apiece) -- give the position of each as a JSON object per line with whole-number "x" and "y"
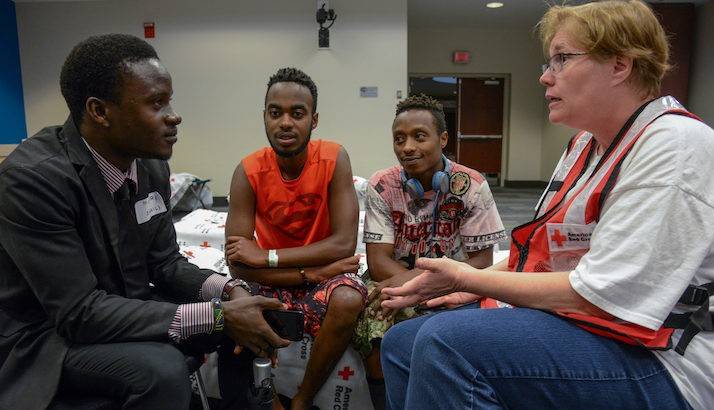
{"x": 517, "y": 359}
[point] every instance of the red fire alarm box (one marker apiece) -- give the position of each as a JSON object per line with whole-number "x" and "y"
{"x": 149, "y": 30}
{"x": 462, "y": 57}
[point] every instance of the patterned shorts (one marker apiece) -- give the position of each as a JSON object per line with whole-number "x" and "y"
{"x": 311, "y": 299}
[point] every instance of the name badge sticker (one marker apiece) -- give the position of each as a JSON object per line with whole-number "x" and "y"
{"x": 148, "y": 207}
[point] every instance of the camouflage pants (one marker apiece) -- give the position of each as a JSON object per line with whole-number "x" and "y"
{"x": 370, "y": 328}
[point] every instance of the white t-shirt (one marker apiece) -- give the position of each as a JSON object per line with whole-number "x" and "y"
{"x": 467, "y": 218}
{"x": 655, "y": 236}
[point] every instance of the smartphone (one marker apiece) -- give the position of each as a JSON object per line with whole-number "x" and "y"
{"x": 288, "y": 324}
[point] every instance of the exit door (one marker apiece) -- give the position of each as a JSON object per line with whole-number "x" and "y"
{"x": 480, "y": 124}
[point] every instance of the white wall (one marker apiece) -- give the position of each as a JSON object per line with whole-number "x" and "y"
{"x": 514, "y": 52}
{"x": 701, "y": 84}
{"x": 555, "y": 137}
{"x": 220, "y": 54}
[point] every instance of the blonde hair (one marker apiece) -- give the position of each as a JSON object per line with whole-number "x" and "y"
{"x": 626, "y": 28}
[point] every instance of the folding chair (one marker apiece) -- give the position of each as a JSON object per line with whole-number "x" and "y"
{"x": 196, "y": 189}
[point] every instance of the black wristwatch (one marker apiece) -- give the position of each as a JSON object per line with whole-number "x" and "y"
{"x": 228, "y": 287}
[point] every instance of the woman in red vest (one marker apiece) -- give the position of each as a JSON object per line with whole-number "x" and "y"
{"x": 604, "y": 300}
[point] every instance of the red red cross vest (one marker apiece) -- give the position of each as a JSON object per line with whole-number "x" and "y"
{"x": 560, "y": 233}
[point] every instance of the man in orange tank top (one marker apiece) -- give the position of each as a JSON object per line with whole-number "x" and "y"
{"x": 297, "y": 195}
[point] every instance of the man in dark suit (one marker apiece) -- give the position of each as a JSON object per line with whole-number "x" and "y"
{"x": 85, "y": 229}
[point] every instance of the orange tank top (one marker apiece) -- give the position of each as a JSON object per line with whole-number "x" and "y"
{"x": 292, "y": 213}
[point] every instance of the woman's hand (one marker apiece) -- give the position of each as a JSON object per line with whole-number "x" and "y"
{"x": 440, "y": 277}
{"x": 453, "y": 300}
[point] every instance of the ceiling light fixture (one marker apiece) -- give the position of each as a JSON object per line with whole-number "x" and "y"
{"x": 494, "y": 5}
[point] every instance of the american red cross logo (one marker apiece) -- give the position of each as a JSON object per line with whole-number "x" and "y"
{"x": 558, "y": 238}
{"x": 346, "y": 373}
{"x": 188, "y": 253}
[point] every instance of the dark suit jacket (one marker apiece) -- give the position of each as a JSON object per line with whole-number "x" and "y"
{"x": 61, "y": 278}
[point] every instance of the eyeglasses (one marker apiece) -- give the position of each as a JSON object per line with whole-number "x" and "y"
{"x": 556, "y": 62}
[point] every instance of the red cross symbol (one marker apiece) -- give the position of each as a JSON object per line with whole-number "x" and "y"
{"x": 346, "y": 373}
{"x": 558, "y": 238}
{"x": 188, "y": 253}
{"x": 205, "y": 244}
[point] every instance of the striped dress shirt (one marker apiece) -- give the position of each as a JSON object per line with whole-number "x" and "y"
{"x": 190, "y": 318}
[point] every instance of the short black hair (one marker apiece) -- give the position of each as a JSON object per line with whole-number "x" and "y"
{"x": 95, "y": 66}
{"x": 297, "y": 76}
{"x": 424, "y": 102}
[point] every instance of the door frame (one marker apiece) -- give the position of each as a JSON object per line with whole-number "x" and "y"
{"x": 505, "y": 142}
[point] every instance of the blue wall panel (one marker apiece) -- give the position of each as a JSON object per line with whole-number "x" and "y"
{"x": 12, "y": 110}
